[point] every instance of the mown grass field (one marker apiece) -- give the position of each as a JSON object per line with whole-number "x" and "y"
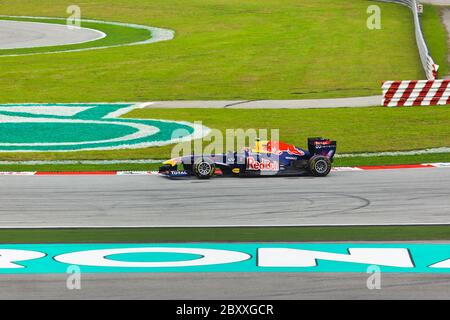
{"x": 436, "y": 37}
{"x": 356, "y": 129}
{"x": 260, "y": 234}
{"x": 224, "y": 49}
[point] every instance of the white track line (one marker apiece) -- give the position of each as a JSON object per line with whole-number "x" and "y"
{"x": 226, "y": 226}
{"x": 395, "y": 153}
{"x": 155, "y": 173}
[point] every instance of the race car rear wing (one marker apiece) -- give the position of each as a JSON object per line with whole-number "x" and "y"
{"x": 321, "y": 146}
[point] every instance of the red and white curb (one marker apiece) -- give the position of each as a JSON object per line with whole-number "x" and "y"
{"x": 416, "y": 93}
{"x": 155, "y": 173}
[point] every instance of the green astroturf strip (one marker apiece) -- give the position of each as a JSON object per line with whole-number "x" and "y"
{"x": 115, "y": 35}
{"x": 260, "y": 234}
{"x": 232, "y": 49}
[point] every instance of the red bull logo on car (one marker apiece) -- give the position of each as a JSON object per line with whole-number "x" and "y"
{"x": 263, "y": 165}
{"x": 278, "y": 147}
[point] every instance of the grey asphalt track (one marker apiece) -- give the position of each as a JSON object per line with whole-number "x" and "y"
{"x": 230, "y": 286}
{"x": 355, "y": 102}
{"x": 437, "y": 2}
{"x": 20, "y": 34}
{"x": 406, "y": 196}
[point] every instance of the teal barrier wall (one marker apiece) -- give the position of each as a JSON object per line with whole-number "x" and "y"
{"x": 249, "y": 257}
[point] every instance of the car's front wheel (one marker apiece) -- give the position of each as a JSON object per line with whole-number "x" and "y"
{"x": 204, "y": 168}
{"x": 319, "y": 166}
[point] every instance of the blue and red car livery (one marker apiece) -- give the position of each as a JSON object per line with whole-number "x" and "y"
{"x": 267, "y": 158}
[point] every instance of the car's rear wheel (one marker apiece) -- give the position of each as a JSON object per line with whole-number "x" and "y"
{"x": 319, "y": 166}
{"x": 204, "y": 168}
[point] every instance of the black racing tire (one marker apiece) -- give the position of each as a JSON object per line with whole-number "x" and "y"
{"x": 319, "y": 166}
{"x": 204, "y": 168}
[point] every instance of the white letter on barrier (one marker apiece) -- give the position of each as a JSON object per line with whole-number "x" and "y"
{"x": 283, "y": 257}
{"x": 99, "y": 258}
{"x": 9, "y": 256}
{"x": 443, "y": 264}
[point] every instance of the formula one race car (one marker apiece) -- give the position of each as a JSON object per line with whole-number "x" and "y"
{"x": 267, "y": 158}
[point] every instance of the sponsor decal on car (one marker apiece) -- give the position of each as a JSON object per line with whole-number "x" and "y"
{"x": 279, "y": 147}
{"x": 263, "y": 165}
{"x": 176, "y": 173}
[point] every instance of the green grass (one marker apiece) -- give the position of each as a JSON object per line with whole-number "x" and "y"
{"x": 115, "y": 35}
{"x": 356, "y": 129}
{"x": 224, "y": 49}
{"x": 436, "y": 37}
{"x": 260, "y": 234}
